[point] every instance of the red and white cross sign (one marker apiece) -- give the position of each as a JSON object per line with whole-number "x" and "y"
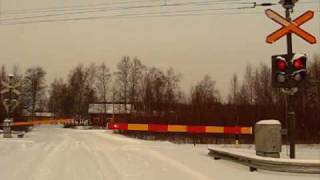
{"x": 290, "y": 27}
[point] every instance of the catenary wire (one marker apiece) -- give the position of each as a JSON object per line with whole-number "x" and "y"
{"x": 102, "y": 5}
{"x": 138, "y": 16}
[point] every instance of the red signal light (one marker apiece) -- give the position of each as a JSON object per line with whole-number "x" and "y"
{"x": 281, "y": 65}
{"x": 298, "y": 64}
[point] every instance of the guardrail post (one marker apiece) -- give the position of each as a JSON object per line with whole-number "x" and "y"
{"x": 252, "y": 169}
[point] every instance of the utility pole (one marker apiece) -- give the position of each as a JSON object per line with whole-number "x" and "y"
{"x": 10, "y": 96}
{"x": 0, "y": 12}
{"x": 288, "y": 5}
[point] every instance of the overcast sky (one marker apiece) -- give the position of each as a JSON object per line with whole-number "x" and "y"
{"x": 219, "y": 45}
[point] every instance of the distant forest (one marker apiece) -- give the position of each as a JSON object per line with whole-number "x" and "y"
{"x": 158, "y": 97}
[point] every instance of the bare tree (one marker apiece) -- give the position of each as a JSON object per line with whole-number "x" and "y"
{"x": 136, "y": 72}
{"x": 204, "y": 96}
{"x": 172, "y": 91}
{"x": 247, "y": 85}
{"x": 153, "y": 89}
{"x": 103, "y": 78}
{"x": 122, "y": 76}
{"x": 81, "y": 91}
{"x": 58, "y": 98}
{"x": 233, "y": 97}
{"x": 34, "y": 87}
{"x": 3, "y": 77}
{"x": 314, "y": 82}
{"x": 262, "y": 85}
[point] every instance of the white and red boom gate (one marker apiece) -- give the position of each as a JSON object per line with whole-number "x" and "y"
{"x": 163, "y": 128}
{"x": 39, "y": 122}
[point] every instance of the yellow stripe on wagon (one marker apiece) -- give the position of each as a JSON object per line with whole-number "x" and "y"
{"x": 177, "y": 128}
{"x": 246, "y": 130}
{"x": 138, "y": 127}
{"x": 214, "y": 129}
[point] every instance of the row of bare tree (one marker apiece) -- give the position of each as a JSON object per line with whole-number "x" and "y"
{"x": 149, "y": 89}
{"x": 158, "y": 98}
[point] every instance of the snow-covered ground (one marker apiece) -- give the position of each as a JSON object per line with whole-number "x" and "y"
{"x": 54, "y": 153}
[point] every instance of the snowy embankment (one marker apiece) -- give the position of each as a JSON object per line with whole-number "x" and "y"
{"x": 51, "y": 152}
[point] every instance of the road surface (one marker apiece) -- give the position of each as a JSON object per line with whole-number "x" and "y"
{"x": 54, "y": 153}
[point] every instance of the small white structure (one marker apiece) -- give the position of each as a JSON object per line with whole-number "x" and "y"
{"x": 101, "y": 113}
{"x": 108, "y": 108}
{"x": 267, "y": 134}
{"x": 39, "y": 114}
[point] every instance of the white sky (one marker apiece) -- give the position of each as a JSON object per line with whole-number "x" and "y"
{"x": 219, "y": 45}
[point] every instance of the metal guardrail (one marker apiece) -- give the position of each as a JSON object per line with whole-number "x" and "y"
{"x": 271, "y": 164}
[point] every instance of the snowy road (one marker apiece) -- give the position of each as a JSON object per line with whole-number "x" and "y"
{"x": 54, "y": 153}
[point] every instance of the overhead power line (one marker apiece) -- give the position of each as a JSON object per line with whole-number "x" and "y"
{"x": 137, "y": 15}
{"x": 186, "y": 12}
{"x": 103, "y": 5}
{"x": 112, "y": 9}
{"x": 125, "y": 15}
{"x": 74, "y": 7}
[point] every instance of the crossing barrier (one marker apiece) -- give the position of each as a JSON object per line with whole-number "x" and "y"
{"x": 38, "y": 122}
{"x": 180, "y": 128}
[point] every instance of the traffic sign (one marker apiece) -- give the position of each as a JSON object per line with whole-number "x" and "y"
{"x": 290, "y": 27}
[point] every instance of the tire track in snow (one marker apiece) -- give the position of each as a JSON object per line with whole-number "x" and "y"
{"x": 176, "y": 164}
{"x": 143, "y": 150}
{"x": 99, "y": 155}
{"x": 45, "y": 167}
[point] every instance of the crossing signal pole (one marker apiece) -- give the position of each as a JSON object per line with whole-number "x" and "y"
{"x": 289, "y": 70}
{"x": 288, "y": 5}
{"x": 9, "y": 103}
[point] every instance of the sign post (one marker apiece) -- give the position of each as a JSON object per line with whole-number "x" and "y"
{"x": 291, "y": 114}
{"x": 289, "y": 27}
{"x": 9, "y": 104}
